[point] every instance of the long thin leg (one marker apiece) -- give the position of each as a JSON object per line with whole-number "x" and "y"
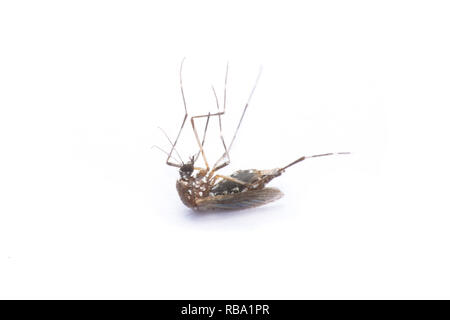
{"x": 217, "y": 176}
{"x": 171, "y": 143}
{"x": 226, "y": 154}
{"x": 219, "y": 114}
{"x": 161, "y": 149}
{"x": 220, "y": 119}
{"x": 265, "y": 176}
{"x": 184, "y": 119}
{"x": 196, "y": 134}
{"x": 204, "y": 137}
{"x": 225, "y": 90}
{"x": 313, "y": 156}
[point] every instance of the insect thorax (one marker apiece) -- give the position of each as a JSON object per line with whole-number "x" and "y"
{"x": 192, "y": 189}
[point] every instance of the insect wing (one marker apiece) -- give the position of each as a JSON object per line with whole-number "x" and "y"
{"x": 239, "y": 201}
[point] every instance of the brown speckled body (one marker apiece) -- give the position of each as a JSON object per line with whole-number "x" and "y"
{"x": 196, "y": 191}
{"x": 192, "y": 189}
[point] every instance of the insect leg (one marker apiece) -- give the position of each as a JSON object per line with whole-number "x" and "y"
{"x": 219, "y": 114}
{"x": 161, "y": 149}
{"x": 200, "y": 144}
{"x": 204, "y": 137}
{"x": 226, "y": 153}
{"x": 313, "y": 156}
{"x": 217, "y": 167}
{"x": 220, "y": 122}
{"x": 182, "y": 124}
{"x": 217, "y": 176}
{"x": 171, "y": 143}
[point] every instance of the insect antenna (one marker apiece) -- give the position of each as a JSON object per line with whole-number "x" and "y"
{"x": 313, "y": 156}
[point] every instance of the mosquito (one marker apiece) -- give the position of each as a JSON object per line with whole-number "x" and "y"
{"x": 202, "y": 188}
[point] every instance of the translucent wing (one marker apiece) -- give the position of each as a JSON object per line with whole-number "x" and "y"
{"x": 239, "y": 201}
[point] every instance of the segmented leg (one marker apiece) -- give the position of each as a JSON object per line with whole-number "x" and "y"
{"x": 204, "y": 137}
{"x": 200, "y": 144}
{"x": 219, "y": 114}
{"x": 161, "y": 149}
{"x": 182, "y": 124}
{"x": 226, "y": 154}
{"x": 313, "y": 156}
{"x": 171, "y": 143}
{"x": 218, "y": 176}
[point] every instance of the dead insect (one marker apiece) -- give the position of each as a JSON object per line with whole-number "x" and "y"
{"x": 203, "y": 189}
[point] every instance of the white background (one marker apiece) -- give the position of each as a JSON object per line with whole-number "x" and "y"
{"x": 89, "y": 210}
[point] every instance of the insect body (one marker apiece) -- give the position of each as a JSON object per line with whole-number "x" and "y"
{"x": 203, "y": 189}
{"x": 243, "y": 189}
